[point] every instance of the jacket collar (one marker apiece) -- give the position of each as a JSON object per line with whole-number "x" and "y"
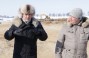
{"x": 84, "y": 23}
{"x": 32, "y": 22}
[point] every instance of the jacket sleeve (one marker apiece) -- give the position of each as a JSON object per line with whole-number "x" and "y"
{"x": 60, "y": 44}
{"x": 38, "y": 32}
{"x": 9, "y": 33}
{"x": 42, "y": 35}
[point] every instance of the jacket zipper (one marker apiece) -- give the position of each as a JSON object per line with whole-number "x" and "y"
{"x": 76, "y": 41}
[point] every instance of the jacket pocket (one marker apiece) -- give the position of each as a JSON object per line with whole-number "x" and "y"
{"x": 68, "y": 53}
{"x": 84, "y": 35}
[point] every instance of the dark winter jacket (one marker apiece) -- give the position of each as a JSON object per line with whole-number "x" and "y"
{"x": 25, "y": 44}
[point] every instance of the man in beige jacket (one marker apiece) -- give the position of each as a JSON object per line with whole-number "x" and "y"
{"x": 73, "y": 37}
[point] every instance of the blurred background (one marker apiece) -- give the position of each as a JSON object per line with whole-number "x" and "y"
{"x": 51, "y": 13}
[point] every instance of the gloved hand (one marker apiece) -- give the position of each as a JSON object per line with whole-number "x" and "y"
{"x": 35, "y": 31}
{"x": 9, "y": 33}
{"x": 13, "y": 27}
{"x": 18, "y": 32}
{"x": 15, "y": 30}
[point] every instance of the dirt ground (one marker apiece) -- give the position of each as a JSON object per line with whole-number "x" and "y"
{"x": 45, "y": 48}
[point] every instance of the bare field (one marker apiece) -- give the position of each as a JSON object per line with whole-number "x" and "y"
{"x": 45, "y": 48}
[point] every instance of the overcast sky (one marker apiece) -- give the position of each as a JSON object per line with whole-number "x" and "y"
{"x": 10, "y": 7}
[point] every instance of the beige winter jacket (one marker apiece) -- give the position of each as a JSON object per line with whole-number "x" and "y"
{"x": 72, "y": 41}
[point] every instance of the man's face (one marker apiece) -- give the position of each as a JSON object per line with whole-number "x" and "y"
{"x": 73, "y": 20}
{"x": 27, "y": 16}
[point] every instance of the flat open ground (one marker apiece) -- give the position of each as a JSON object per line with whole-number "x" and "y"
{"x": 45, "y": 48}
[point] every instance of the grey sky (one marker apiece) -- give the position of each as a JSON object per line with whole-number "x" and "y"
{"x": 10, "y": 7}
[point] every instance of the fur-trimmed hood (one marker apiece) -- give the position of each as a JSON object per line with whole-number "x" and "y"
{"x": 17, "y": 21}
{"x": 84, "y": 22}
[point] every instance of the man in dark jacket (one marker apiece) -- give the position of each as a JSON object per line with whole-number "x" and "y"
{"x": 26, "y": 30}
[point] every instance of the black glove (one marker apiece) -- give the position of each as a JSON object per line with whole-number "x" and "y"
{"x": 13, "y": 27}
{"x": 15, "y": 30}
{"x": 9, "y": 33}
{"x": 35, "y": 31}
{"x": 18, "y": 32}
